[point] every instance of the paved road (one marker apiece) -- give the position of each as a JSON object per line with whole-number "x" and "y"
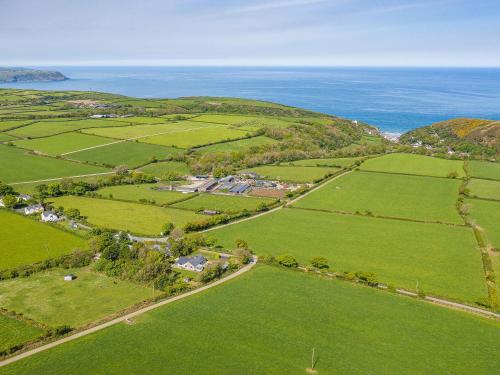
{"x": 128, "y": 316}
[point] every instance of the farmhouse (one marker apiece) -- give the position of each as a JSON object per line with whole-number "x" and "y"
{"x": 69, "y": 277}
{"x": 49, "y": 216}
{"x": 33, "y": 209}
{"x": 24, "y": 197}
{"x": 196, "y": 263}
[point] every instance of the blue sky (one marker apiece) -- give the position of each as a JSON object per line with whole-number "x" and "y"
{"x": 276, "y": 32}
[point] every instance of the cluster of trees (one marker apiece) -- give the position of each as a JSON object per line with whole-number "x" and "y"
{"x": 8, "y": 195}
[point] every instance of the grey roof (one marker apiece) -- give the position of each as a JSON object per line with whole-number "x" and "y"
{"x": 195, "y": 261}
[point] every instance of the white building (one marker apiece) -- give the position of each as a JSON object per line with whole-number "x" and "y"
{"x": 196, "y": 263}
{"x": 33, "y": 209}
{"x": 49, "y": 216}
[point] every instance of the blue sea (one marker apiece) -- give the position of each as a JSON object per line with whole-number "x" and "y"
{"x": 393, "y": 99}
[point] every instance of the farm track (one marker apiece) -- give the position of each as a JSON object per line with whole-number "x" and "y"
{"x": 123, "y": 318}
{"x": 61, "y": 178}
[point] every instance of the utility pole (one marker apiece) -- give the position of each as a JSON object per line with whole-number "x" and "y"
{"x": 312, "y": 360}
{"x": 416, "y": 287}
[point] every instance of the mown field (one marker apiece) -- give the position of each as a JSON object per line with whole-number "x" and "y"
{"x": 487, "y": 215}
{"x": 250, "y": 122}
{"x": 414, "y": 164}
{"x": 443, "y": 259}
{"x": 161, "y": 168}
{"x": 62, "y": 143}
{"x": 484, "y": 188}
{"x": 45, "y": 297}
{"x": 392, "y": 195}
{"x": 292, "y": 174}
{"x": 330, "y": 162}
{"x": 484, "y": 169}
{"x": 353, "y": 330}
{"x": 24, "y": 241}
{"x": 15, "y": 332}
{"x": 222, "y": 203}
{"x": 236, "y": 146}
{"x": 135, "y": 217}
{"x": 145, "y": 191}
{"x": 19, "y": 166}
{"x": 9, "y": 124}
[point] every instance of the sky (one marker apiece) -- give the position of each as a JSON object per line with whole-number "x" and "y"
{"x": 236, "y": 32}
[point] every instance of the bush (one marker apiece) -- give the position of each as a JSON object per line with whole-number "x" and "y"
{"x": 367, "y": 278}
{"x": 319, "y": 262}
{"x": 167, "y": 228}
{"x": 267, "y": 259}
{"x": 211, "y": 273}
{"x": 287, "y": 261}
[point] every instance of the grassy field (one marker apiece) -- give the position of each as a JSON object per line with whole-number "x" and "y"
{"x": 145, "y": 191}
{"x": 246, "y": 122}
{"x": 487, "y": 216}
{"x": 444, "y": 259}
{"x": 14, "y": 332}
{"x": 45, "y": 297}
{"x": 354, "y": 330}
{"x": 161, "y": 168}
{"x": 222, "y": 203}
{"x": 410, "y": 197}
{"x": 62, "y": 143}
{"x": 24, "y": 241}
{"x": 19, "y": 166}
{"x": 6, "y": 138}
{"x": 484, "y": 188}
{"x": 137, "y": 218}
{"x": 293, "y": 174}
{"x": 332, "y": 162}
{"x": 483, "y": 169}
{"x": 9, "y": 124}
{"x": 131, "y": 154}
{"x": 236, "y": 146}
{"x": 414, "y": 164}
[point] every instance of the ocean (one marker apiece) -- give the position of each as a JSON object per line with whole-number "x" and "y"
{"x": 393, "y": 99}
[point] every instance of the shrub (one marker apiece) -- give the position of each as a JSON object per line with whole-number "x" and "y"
{"x": 287, "y": 261}
{"x": 319, "y": 262}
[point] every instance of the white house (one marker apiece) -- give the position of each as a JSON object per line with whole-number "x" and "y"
{"x": 69, "y": 277}
{"x": 196, "y": 263}
{"x": 33, "y": 209}
{"x": 1, "y": 203}
{"x": 24, "y": 197}
{"x": 49, "y": 216}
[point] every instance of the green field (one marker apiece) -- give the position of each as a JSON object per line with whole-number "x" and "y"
{"x": 487, "y": 215}
{"x": 392, "y": 195}
{"x": 236, "y": 146}
{"x": 414, "y": 164}
{"x": 484, "y": 188}
{"x": 292, "y": 174}
{"x": 15, "y": 332}
{"x": 19, "y": 166}
{"x": 354, "y": 330}
{"x": 444, "y": 259}
{"x": 222, "y": 203}
{"x": 161, "y": 168}
{"x": 131, "y": 154}
{"x": 9, "y": 124}
{"x": 246, "y": 122}
{"x": 45, "y": 297}
{"x": 145, "y": 191}
{"x": 331, "y": 162}
{"x": 137, "y": 218}
{"x": 25, "y": 241}
{"x": 62, "y": 143}
{"x": 484, "y": 169}
{"x": 6, "y": 138}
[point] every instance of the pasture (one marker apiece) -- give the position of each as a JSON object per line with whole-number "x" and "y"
{"x": 15, "y": 332}
{"x": 20, "y": 166}
{"x": 392, "y": 195}
{"x": 292, "y": 174}
{"x": 414, "y": 164}
{"x": 239, "y": 145}
{"x": 222, "y": 203}
{"x": 484, "y": 188}
{"x": 10, "y": 124}
{"x": 444, "y": 259}
{"x": 45, "y": 297}
{"x": 131, "y": 154}
{"x": 486, "y": 214}
{"x": 6, "y": 138}
{"x": 133, "y": 217}
{"x": 484, "y": 169}
{"x": 160, "y": 169}
{"x": 25, "y": 241}
{"x": 353, "y": 330}
{"x": 62, "y": 143}
{"x": 135, "y": 193}
{"x": 250, "y": 122}
{"x": 329, "y": 162}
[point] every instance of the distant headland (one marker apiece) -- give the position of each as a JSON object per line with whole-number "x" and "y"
{"x": 8, "y": 75}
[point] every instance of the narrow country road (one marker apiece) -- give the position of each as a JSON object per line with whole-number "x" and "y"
{"x": 99, "y": 327}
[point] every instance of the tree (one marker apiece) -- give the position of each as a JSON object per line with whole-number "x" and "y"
{"x": 167, "y": 228}
{"x": 319, "y": 262}
{"x": 287, "y": 261}
{"x": 6, "y": 189}
{"x": 9, "y": 200}
{"x": 241, "y": 244}
{"x": 73, "y": 213}
{"x": 210, "y": 273}
{"x": 244, "y": 255}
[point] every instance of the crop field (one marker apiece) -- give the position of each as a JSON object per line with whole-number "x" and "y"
{"x": 484, "y": 169}
{"x": 137, "y": 218}
{"x": 444, "y": 259}
{"x": 25, "y": 241}
{"x": 52, "y": 127}
{"x": 293, "y": 174}
{"x": 487, "y": 216}
{"x": 414, "y": 164}
{"x": 332, "y": 162}
{"x": 145, "y": 191}
{"x": 392, "y": 195}
{"x": 62, "y": 143}
{"x": 346, "y": 324}
{"x": 222, "y": 203}
{"x": 484, "y": 188}
{"x": 14, "y": 332}
{"x": 161, "y": 168}
{"x": 240, "y": 145}
{"x": 45, "y": 297}
{"x": 131, "y": 154}
{"x": 19, "y": 166}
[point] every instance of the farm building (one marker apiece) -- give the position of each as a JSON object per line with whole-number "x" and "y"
{"x": 239, "y": 188}
{"x": 210, "y": 212}
{"x": 69, "y": 277}
{"x": 33, "y": 209}
{"x": 196, "y": 263}
{"x": 249, "y": 174}
{"x": 49, "y": 216}
{"x": 24, "y": 197}
{"x": 226, "y": 179}
{"x": 210, "y": 184}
